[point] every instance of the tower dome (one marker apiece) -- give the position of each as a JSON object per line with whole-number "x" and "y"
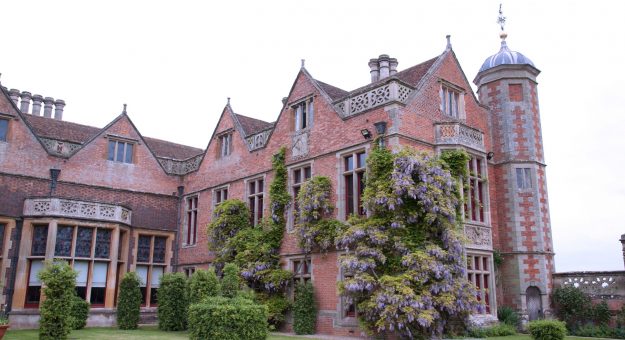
{"x": 505, "y": 56}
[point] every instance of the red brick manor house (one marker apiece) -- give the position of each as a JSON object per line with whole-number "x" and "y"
{"x": 110, "y": 200}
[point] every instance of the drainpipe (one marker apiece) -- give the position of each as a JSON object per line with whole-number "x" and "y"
{"x": 16, "y": 253}
{"x": 178, "y": 228}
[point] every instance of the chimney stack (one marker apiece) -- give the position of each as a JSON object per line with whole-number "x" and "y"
{"x": 393, "y": 62}
{"x": 382, "y": 67}
{"x": 15, "y": 95}
{"x": 37, "y": 99}
{"x": 375, "y": 70}
{"x": 384, "y": 61}
{"x": 59, "y": 104}
{"x": 25, "y": 101}
{"x": 623, "y": 245}
{"x": 47, "y": 107}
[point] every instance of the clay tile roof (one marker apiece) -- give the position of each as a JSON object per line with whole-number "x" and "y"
{"x": 167, "y": 149}
{"x": 252, "y": 125}
{"x": 332, "y": 91}
{"x": 61, "y": 130}
{"x": 413, "y": 75}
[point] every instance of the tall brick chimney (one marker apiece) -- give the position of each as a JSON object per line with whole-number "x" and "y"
{"x": 623, "y": 245}
{"x": 382, "y": 67}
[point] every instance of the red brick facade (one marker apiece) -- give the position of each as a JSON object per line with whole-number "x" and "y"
{"x": 155, "y": 183}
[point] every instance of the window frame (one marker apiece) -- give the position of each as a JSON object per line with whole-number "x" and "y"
{"x": 225, "y": 144}
{"x": 478, "y": 178}
{"x": 525, "y": 181}
{"x": 485, "y": 286}
{"x": 345, "y": 319}
{"x": 303, "y": 113}
{"x": 357, "y": 174}
{"x": 217, "y": 194}
{"x": 190, "y": 220}
{"x": 147, "y": 296}
{"x": 5, "y": 120}
{"x": 188, "y": 271}
{"x": 294, "y": 188}
{"x": 115, "y": 154}
{"x": 452, "y": 105}
{"x": 256, "y": 200}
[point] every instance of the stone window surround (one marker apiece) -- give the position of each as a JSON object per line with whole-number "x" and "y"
{"x": 169, "y": 239}
{"x": 290, "y": 225}
{"x": 249, "y": 180}
{"x": 225, "y": 150}
{"x": 121, "y": 139}
{"x": 308, "y": 102}
{"x": 340, "y": 190}
{"x": 185, "y": 242}
{"x": 449, "y": 86}
{"x": 5, "y": 261}
{"x": 6, "y": 119}
{"x": 491, "y": 280}
{"x": 189, "y": 270}
{"x": 215, "y": 191}
{"x": 532, "y": 177}
{"x": 342, "y": 319}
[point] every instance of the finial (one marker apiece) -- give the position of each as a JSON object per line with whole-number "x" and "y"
{"x": 448, "y": 42}
{"x": 303, "y": 62}
{"x": 501, "y": 20}
{"x": 124, "y": 108}
{"x": 228, "y": 100}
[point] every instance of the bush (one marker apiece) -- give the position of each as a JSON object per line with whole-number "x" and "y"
{"x": 508, "y": 316}
{"x": 231, "y": 283}
{"x": 203, "y": 283}
{"x": 173, "y": 302}
{"x": 547, "y": 330}
{"x": 79, "y": 312}
{"x": 304, "y": 309}
{"x": 59, "y": 280}
{"x": 277, "y": 306}
{"x": 129, "y": 302}
{"x": 493, "y": 331}
{"x": 601, "y": 314}
{"x": 572, "y": 306}
{"x": 227, "y": 319}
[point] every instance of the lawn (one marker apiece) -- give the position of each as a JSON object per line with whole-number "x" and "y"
{"x": 526, "y": 337}
{"x": 146, "y": 332}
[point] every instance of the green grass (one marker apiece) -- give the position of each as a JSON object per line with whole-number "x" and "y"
{"x": 525, "y": 337}
{"x": 145, "y": 332}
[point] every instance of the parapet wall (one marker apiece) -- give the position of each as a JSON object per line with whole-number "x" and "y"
{"x": 606, "y": 286}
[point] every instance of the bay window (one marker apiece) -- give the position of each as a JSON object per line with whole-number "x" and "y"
{"x": 151, "y": 251}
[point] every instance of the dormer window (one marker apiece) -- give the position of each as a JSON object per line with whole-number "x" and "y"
{"x": 452, "y": 100}
{"x": 4, "y": 129}
{"x": 225, "y": 144}
{"x": 120, "y": 151}
{"x": 303, "y": 114}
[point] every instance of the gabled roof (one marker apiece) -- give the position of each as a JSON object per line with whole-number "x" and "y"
{"x": 414, "y": 74}
{"x": 332, "y": 91}
{"x": 251, "y": 125}
{"x": 167, "y": 149}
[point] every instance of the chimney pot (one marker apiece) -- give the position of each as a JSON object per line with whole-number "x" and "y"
{"x": 59, "y": 104}
{"x": 393, "y": 64}
{"x": 374, "y": 67}
{"x": 384, "y": 61}
{"x": 15, "y": 95}
{"x": 25, "y": 101}
{"x": 37, "y": 99}
{"x": 47, "y": 107}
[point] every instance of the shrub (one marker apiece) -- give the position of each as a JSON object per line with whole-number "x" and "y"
{"x": 59, "y": 280}
{"x": 227, "y": 319}
{"x": 173, "y": 302}
{"x": 572, "y": 306}
{"x": 304, "y": 309}
{"x": 129, "y": 302}
{"x": 508, "y": 316}
{"x": 493, "y": 331}
{"x": 601, "y": 314}
{"x": 203, "y": 283}
{"x": 277, "y": 305}
{"x": 231, "y": 283}
{"x": 547, "y": 330}
{"x": 79, "y": 312}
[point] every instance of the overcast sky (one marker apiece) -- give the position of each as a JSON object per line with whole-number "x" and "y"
{"x": 175, "y": 62}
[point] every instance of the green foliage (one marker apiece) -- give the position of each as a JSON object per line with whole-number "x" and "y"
{"x": 304, "y": 309}
{"x": 497, "y": 258}
{"x": 601, "y": 314}
{"x": 547, "y": 330}
{"x": 572, "y": 306}
{"x": 592, "y": 331}
{"x": 59, "y": 280}
{"x": 4, "y": 320}
{"x": 314, "y": 228}
{"x": 456, "y": 162}
{"x": 173, "y": 302}
{"x": 227, "y": 319}
{"x": 620, "y": 317}
{"x": 277, "y": 306}
{"x": 230, "y": 283}
{"x": 79, "y": 312}
{"x": 129, "y": 302}
{"x": 229, "y": 217}
{"x": 492, "y": 331}
{"x": 508, "y": 316}
{"x": 203, "y": 283}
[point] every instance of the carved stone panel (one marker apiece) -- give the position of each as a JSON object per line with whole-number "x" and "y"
{"x": 76, "y": 209}
{"x": 459, "y": 134}
{"x": 299, "y": 147}
{"x": 478, "y": 236}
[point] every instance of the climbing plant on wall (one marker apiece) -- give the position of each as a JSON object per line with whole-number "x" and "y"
{"x": 405, "y": 259}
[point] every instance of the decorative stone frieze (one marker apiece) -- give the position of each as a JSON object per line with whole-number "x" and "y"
{"x": 176, "y": 167}
{"x": 478, "y": 236}
{"x": 606, "y": 284}
{"x": 60, "y": 148}
{"x": 459, "y": 134}
{"x": 299, "y": 147}
{"x": 60, "y": 207}
{"x": 258, "y": 140}
{"x": 392, "y": 91}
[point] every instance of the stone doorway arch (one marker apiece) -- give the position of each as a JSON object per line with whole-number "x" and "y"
{"x": 534, "y": 303}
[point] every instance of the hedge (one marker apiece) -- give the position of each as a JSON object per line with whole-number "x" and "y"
{"x": 203, "y": 284}
{"x": 304, "y": 309}
{"x": 227, "y": 319}
{"x": 230, "y": 283}
{"x": 129, "y": 302}
{"x": 492, "y": 331}
{"x": 59, "y": 280}
{"x": 173, "y": 302}
{"x": 547, "y": 330}
{"x": 79, "y": 312}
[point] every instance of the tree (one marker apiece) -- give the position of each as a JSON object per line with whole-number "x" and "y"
{"x": 173, "y": 302}
{"x": 59, "y": 280}
{"x": 203, "y": 283}
{"x": 129, "y": 302}
{"x": 406, "y": 258}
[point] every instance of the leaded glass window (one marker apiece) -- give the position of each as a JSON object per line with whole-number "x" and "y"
{"x": 64, "y": 236}
{"x": 159, "y": 249}
{"x": 1, "y": 238}
{"x": 143, "y": 251}
{"x": 83, "y": 242}
{"x": 103, "y": 243}
{"x": 40, "y": 238}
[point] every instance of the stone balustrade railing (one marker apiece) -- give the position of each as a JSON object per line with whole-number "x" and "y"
{"x": 459, "y": 134}
{"x": 392, "y": 91}
{"x": 60, "y": 207}
{"x": 599, "y": 284}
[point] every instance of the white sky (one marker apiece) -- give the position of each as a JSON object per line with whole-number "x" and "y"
{"x": 175, "y": 62}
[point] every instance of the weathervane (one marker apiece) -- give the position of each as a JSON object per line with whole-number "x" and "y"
{"x": 501, "y": 20}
